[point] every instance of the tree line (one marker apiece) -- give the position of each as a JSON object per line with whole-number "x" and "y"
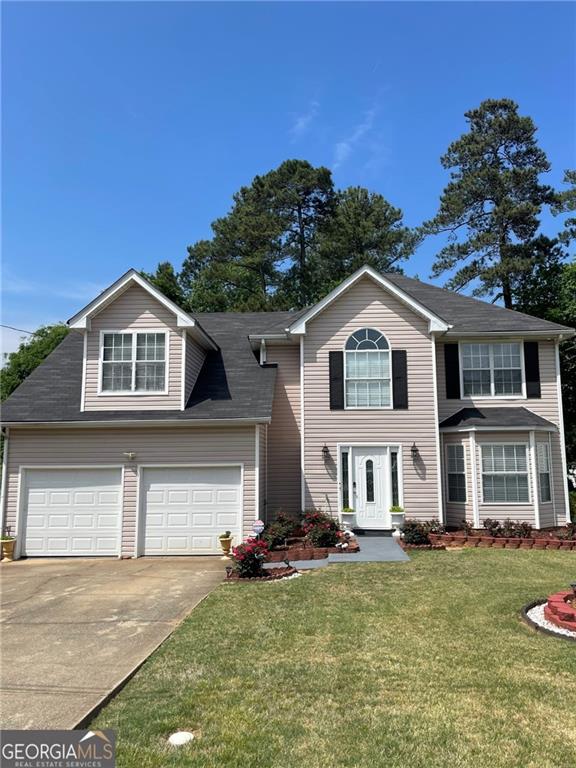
{"x": 291, "y": 236}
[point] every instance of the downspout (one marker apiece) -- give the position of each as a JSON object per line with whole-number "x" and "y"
{"x": 3, "y": 494}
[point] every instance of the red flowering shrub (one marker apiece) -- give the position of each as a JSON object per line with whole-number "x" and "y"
{"x": 320, "y": 529}
{"x": 250, "y": 556}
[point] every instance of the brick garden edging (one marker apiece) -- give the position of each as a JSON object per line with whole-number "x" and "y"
{"x": 525, "y": 614}
{"x": 499, "y": 542}
{"x": 557, "y": 611}
{"x": 295, "y": 554}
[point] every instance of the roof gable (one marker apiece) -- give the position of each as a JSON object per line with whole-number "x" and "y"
{"x": 435, "y": 322}
{"x": 82, "y": 319}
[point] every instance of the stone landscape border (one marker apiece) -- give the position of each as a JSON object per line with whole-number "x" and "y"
{"x": 501, "y": 542}
{"x": 538, "y": 627}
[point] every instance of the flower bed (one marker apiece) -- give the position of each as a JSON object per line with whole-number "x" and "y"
{"x": 303, "y": 551}
{"x": 500, "y": 542}
{"x": 270, "y": 574}
{"x": 436, "y": 545}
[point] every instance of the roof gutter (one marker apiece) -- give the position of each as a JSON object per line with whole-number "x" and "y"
{"x": 141, "y": 423}
{"x": 564, "y": 333}
{"x": 519, "y": 428}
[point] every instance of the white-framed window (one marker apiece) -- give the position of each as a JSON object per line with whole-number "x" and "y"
{"x": 367, "y": 373}
{"x": 543, "y": 453}
{"x": 505, "y": 474}
{"x": 492, "y": 370}
{"x": 456, "y": 472}
{"x": 133, "y": 362}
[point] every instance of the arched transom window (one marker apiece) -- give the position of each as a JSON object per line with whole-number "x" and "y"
{"x": 367, "y": 370}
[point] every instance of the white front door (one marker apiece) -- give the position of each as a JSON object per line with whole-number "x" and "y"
{"x": 185, "y": 509}
{"x": 370, "y": 487}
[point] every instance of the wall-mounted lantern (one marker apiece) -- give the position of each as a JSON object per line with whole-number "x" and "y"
{"x": 414, "y": 452}
{"x": 325, "y": 452}
{"x": 130, "y": 455}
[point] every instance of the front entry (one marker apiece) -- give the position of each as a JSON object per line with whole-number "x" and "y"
{"x": 370, "y": 486}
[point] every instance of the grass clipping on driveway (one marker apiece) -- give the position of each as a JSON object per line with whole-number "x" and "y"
{"x": 413, "y": 664}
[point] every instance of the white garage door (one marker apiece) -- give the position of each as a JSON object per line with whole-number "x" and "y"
{"x": 72, "y": 512}
{"x": 185, "y": 509}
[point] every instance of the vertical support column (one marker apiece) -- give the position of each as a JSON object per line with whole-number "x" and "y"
{"x": 439, "y": 473}
{"x": 474, "y": 479}
{"x": 562, "y": 438}
{"x": 302, "y": 462}
{"x": 534, "y": 473}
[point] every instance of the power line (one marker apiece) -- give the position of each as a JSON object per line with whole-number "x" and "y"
{"x": 20, "y": 330}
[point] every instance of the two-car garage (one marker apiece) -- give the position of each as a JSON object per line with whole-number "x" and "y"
{"x": 78, "y": 511}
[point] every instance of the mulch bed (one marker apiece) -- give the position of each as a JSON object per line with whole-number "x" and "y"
{"x": 301, "y": 551}
{"x": 272, "y": 574}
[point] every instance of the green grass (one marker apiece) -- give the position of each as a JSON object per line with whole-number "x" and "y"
{"x": 405, "y": 665}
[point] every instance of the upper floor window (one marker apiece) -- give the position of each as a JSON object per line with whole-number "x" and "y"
{"x": 133, "y": 362}
{"x": 367, "y": 370}
{"x": 492, "y": 370}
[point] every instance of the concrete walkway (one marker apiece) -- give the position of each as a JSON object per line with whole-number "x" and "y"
{"x": 373, "y": 549}
{"x": 73, "y": 629}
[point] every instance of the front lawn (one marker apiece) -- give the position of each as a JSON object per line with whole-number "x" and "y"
{"x": 403, "y": 665}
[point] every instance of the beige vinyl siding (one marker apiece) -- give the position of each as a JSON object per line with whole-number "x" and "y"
{"x": 545, "y": 406}
{"x": 106, "y": 446}
{"x": 456, "y": 512}
{"x": 195, "y": 357}
{"x": 135, "y": 309}
{"x": 368, "y": 305}
{"x": 284, "y": 432}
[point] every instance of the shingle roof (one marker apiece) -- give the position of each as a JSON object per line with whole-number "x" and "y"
{"x": 496, "y": 418}
{"x": 231, "y": 384}
{"x": 469, "y": 315}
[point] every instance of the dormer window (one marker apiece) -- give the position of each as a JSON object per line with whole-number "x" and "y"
{"x": 133, "y": 362}
{"x": 367, "y": 370}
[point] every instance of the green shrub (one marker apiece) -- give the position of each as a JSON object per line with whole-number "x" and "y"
{"x": 509, "y": 529}
{"x": 320, "y": 529}
{"x": 284, "y": 527}
{"x": 416, "y": 532}
{"x": 250, "y": 557}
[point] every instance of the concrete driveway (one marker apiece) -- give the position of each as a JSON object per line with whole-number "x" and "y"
{"x": 72, "y": 629}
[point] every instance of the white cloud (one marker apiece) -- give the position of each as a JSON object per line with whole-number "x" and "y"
{"x": 343, "y": 148}
{"x": 302, "y": 122}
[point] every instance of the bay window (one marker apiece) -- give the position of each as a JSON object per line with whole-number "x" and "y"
{"x": 505, "y": 474}
{"x": 492, "y": 370}
{"x": 133, "y": 362}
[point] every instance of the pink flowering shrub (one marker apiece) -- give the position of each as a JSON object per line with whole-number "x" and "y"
{"x": 320, "y": 529}
{"x": 250, "y": 556}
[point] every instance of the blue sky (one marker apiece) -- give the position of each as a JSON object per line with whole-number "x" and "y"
{"x": 128, "y": 126}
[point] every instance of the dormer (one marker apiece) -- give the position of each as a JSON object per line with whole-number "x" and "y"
{"x": 141, "y": 351}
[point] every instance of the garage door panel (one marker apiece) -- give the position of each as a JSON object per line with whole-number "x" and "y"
{"x": 81, "y": 519}
{"x": 186, "y": 508}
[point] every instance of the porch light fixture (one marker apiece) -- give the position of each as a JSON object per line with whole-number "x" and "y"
{"x": 130, "y": 455}
{"x": 325, "y": 452}
{"x": 414, "y": 452}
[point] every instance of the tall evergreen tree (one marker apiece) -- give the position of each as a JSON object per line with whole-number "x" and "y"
{"x": 364, "y": 229}
{"x": 167, "y": 281}
{"x": 491, "y": 205}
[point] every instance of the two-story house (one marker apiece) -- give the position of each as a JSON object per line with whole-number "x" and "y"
{"x": 150, "y": 431}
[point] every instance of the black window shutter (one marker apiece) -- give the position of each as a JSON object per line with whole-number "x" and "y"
{"x": 452, "y": 369}
{"x": 532, "y": 368}
{"x": 336, "y": 369}
{"x": 399, "y": 378}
